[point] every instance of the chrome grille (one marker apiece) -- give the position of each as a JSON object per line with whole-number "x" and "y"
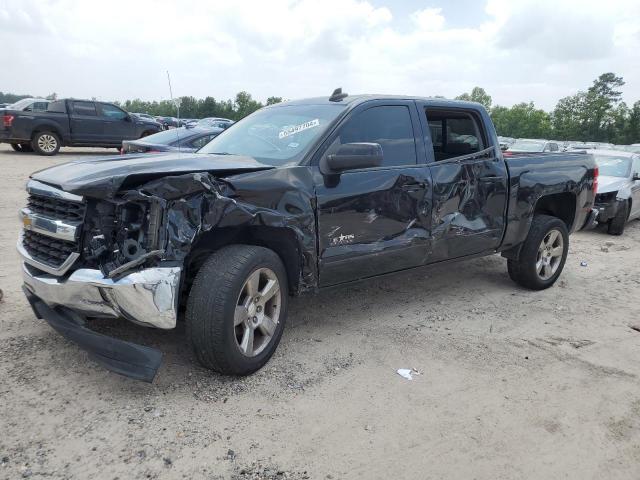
{"x": 56, "y": 208}
{"x": 48, "y": 250}
{"x": 52, "y": 222}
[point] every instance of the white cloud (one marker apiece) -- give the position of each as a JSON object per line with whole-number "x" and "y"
{"x": 428, "y": 19}
{"x": 527, "y": 50}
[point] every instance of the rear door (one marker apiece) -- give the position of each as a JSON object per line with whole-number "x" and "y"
{"x": 374, "y": 220}
{"x": 118, "y": 124}
{"x": 469, "y": 183}
{"x": 86, "y": 126}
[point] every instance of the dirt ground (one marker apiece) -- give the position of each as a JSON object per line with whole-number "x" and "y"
{"x": 514, "y": 384}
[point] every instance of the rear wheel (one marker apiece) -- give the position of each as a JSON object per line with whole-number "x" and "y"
{"x": 45, "y": 143}
{"x": 616, "y": 224}
{"x": 543, "y": 254}
{"x": 237, "y": 309}
{"x": 17, "y": 147}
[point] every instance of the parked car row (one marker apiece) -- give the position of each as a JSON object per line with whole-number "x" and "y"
{"x": 168, "y": 123}
{"x": 44, "y": 126}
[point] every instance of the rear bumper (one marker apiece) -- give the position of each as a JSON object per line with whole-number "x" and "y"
{"x": 135, "y": 361}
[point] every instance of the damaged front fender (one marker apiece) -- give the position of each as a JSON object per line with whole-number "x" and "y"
{"x": 164, "y": 220}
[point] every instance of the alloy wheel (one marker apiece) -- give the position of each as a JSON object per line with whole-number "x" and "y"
{"x": 257, "y": 312}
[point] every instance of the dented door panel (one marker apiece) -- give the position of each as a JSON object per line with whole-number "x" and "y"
{"x": 469, "y": 199}
{"x": 373, "y": 222}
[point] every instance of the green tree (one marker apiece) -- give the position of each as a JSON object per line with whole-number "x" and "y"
{"x": 274, "y": 100}
{"x": 522, "y": 120}
{"x": 632, "y": 129}
{"x": 569, "y": 116}
{"x": 601, "y": 100}
{"x": 478, "y": 95}
{"x": 245, "y": 105}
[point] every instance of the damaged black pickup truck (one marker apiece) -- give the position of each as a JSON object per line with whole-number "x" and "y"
{"x": 296, "y": 197}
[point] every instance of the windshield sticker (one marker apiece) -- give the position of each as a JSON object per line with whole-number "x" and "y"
{"x": 299, "y": 128}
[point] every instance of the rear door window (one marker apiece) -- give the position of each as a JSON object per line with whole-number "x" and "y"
{"x": 84, "y": 108}
{"x": 388, "y": 125}
{"x": 454, "y": 133}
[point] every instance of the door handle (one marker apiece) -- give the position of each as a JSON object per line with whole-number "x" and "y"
{"x": 413, "y": 186}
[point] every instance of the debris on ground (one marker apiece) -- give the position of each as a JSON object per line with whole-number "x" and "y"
{"x": 583, "y": 263}
{"x": 635, "y": 327}
{"x": 408, "y": 373}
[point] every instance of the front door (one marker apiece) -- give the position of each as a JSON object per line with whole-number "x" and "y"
{"x": 375, "y": 220}
{"x": 118, "y": 125}
{"x": 469, "y": 183}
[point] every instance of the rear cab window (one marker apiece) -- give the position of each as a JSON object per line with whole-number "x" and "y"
{"x": 455, "y": 133}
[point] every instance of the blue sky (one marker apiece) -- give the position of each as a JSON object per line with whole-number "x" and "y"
{"x": 518, "y": 50}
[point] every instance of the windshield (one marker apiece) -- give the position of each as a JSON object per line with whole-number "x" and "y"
{"x": 521, "y": 146}
{"x": 276, "y": 135}
{"x": 613, "y": 166}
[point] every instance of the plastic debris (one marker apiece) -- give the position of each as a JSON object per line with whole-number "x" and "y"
{"x": 408, "y": 373}
{"x": 583, "y": 263}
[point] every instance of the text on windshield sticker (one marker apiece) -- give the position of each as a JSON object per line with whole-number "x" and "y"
{"x": 299, "y": 128}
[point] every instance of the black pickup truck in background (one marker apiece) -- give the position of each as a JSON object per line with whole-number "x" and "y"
{"x": 73, "y": 123}
{"x": 294, "y": 198}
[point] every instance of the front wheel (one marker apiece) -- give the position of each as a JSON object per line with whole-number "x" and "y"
{"x": 237, "y": 309}
{"x": 543, "y": 254}
{"x": 45, "y": 143}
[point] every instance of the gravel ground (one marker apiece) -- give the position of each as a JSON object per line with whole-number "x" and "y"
{"x": 514, "y": 384}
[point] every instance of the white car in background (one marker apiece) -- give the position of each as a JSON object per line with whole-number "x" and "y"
{"x": 618, "y": 194}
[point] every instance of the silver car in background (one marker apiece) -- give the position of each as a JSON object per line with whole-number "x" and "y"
{"x": 618, "y": 194}
{"x": 526, "y": 145}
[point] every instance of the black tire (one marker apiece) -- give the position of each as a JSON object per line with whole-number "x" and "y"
{"x": 48, "y": 148}
{"x": 524, "y": 270}
{"x": 211, "y": 308}
{"x": 26, "y": 147}
{"x": 616, "y": 224}
{"x": 17, "y": 147}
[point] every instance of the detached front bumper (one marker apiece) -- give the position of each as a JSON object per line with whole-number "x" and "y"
{"x": 147, "y": 297}
{"x": 125, "y": 358}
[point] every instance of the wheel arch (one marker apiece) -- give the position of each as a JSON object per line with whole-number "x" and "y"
{"x": 46, "y": 127}
{"x": 560, "y": 205}
{"x": 282, "y": 240}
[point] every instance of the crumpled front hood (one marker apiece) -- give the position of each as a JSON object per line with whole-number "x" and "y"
{"x": 103, "y": 177}
{"x": 611, "y": 184}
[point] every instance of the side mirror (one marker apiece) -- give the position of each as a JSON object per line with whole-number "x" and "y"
{"x": 636, "y": 176}
{"x": 352, "y": 156}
